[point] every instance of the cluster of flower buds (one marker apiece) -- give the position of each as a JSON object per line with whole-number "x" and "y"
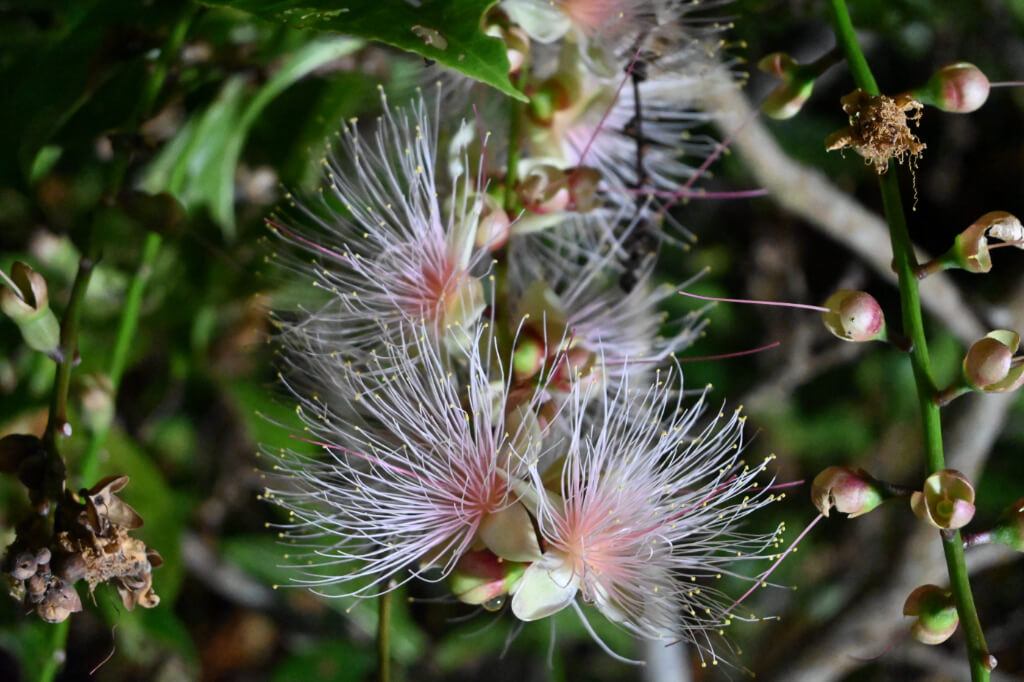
{"x": 26, "y": 301}
{"x": 854, "y": 316}
{"x": 88, "y": 538}
{"x": 936, "y": 613}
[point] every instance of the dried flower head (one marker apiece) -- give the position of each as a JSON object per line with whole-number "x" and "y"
{"x": 879, "y": 129}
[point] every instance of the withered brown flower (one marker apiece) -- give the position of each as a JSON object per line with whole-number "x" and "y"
{"x": 879, "y": 128}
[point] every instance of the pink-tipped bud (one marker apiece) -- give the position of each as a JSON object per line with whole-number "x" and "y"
{"x": 480, "y": 577}
{"x": 970, "y": 251}
{"x": 989, "y": 363}
{"x": 854, "y": 316}
{"x": 850, "y": 492}
{"x": 936, "y": 614}
{"x": 494, "y": 227}
{"x": 1009, "y": 529}
{"x": 958, "y": 88}
{"x": 528, "y": 358}
{"x": 947, "y": 500}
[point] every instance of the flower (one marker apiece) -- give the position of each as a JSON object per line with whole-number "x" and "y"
{"x": 646, "y": 502}
{"x": 850, "y": 492}
{"x": 385, "y": 248}
{"x": 419, "y": 452}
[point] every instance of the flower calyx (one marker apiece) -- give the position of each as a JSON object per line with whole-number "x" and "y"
{"x": 970, "y": 250}
{"x": 936, "y": 613}
{"x": 946, "y": 500}
{"x": 849, "y": 491}
{"x": 482, "y": 577}
{"x": 989, "y": 366}
{"x": 26, "y": 301}
{"x": 854, "y": 316}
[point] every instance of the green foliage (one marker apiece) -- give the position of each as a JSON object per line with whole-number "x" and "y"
{"x": 446, "y": 31}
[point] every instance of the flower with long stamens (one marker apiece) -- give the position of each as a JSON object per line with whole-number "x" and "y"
{"x": 418, "y": 457}
{"x": 385, "y": 248}
{"x": 647, "y": 503}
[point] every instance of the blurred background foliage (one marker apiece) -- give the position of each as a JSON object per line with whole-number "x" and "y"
{"x": 248, "y": 105}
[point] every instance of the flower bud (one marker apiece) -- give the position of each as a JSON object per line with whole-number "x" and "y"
{"x": 958, "y": 88}
{"x": 947, "y": 500}
{"x": 989, "y": 363}
{"x": 936, "y": 614}
{"x": 1009, "y": 529}
{"x": 528, "y": 358}
{"x": 480, "y": 577}
{"x": 850, "y": 492}
{"x": 27, "y": 302}
{"x": 854, "y": 316}
{"x": 493, "y": 228}
{"x": 796, "y": 87}
{"x": 544, "y": 189}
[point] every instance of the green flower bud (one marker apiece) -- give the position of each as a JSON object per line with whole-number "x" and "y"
{"x": 854, "y": 316}
{"x": 970, "y": 251}
{"x": 850, "y": 492}
{"x": 947, "y": 501}
{"x": 27, "y": 302}
{"x": 936, "y": 614}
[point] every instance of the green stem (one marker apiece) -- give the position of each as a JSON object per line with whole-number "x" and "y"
{"x": 383, "y": 634}
{"x": 125, "y": 335}
{"x": 514, "y": 144}
{"x": 48, "y": 669}
{"x": 905, "y": 265}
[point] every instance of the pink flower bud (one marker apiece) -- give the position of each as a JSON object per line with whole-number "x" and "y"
{"x": 850, "y": 492}
{"x": 854, "y": 316}
{"x": 1009, "y": 529}
{"x": 958, "y": 88}
{"x": 936, "y": 614}
{"x": 947, "y": 500}
{"x": 989, "y": 363}
{"x": 480, "y": 577}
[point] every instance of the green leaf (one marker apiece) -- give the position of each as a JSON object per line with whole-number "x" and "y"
{"x": 446, "y": 31}
{"x": 198, "y": 165}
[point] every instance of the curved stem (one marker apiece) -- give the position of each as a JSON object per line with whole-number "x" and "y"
{"x": 905, "y": 266}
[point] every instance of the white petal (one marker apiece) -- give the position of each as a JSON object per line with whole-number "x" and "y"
{"x": 547, "y": 587}
{"x": 542, "y": 21}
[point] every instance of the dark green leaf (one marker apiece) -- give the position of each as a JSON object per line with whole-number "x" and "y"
{"x": 446, "y": 31}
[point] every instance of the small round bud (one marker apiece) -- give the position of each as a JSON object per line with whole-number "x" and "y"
{"x": 850, "y": 492}
{"x": 947, "y": 500}
{"x": 958, "y": 88}
{"x": 854, "y": 316}
{"x": 989, "y": 363}
{"x": 936, "y": 614}
{"x": 528, "y": 358}
{"x": 24, "y": 566}
{"x": 43, "y": 556}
